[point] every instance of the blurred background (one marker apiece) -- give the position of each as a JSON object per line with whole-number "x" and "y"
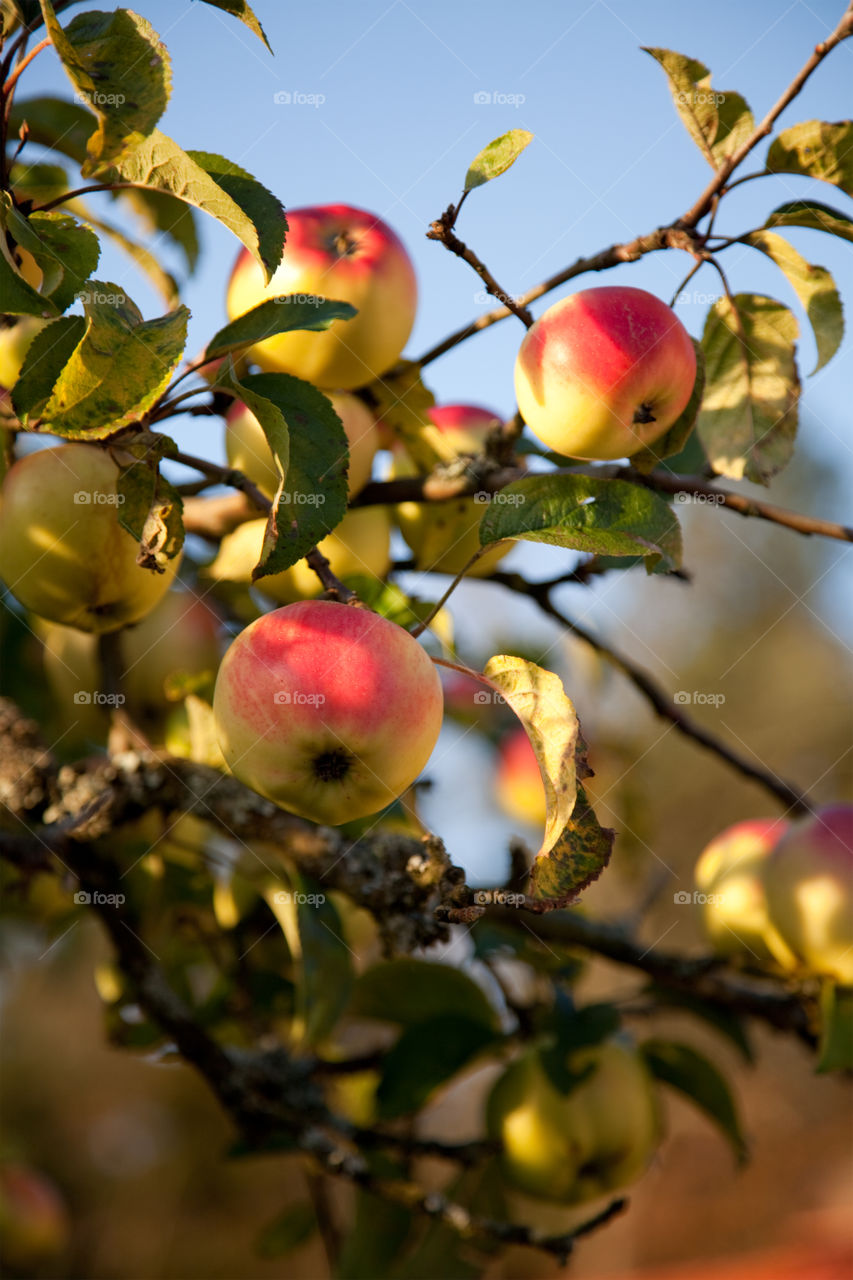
{"x": 388, "y": 106}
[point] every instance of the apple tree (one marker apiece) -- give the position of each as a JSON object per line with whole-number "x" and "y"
{"x": 217, "y": 752}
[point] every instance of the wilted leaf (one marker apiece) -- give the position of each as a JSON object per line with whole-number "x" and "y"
{"x": 748, "y": 418}
{"x": 277, "y": 315}
{"x": 401, "y": 401}
{"x": 604, "y": 517}
{"x": 693, "y": 1075}
{"x": 812, "y": 214}
{"x": 151, "y": 511}
{"x": 815, "y": 288}
{"x": 242, "y": 10}
{"x": 409, "y": 991}
{"x": 717, "y": 122}
{"x": 816, "y": 150}
{"x": 122, "y": 72}
{"x": 578, "y": 857}
{"x": 496, "y": 157}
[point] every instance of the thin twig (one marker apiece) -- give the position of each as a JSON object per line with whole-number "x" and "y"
{"x": 9, "y": 86}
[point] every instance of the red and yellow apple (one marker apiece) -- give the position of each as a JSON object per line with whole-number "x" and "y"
{"x": 729, "y": 877}
{"x": 247, "y": 449}
{"x": 35, "y": 1226}
{"x": 577, "y": 1146}
{"x": 808, "y": 878}
{"x": 360, "y": 546}
{"x": 518, "y": 781}
{"x": 346, "y": 255}
{"x": 327, "y": 709}
{"x": 180, "y": 636}
{"x": 604, "y": 372}
{"x": 444, "y": 535}
{"x": 63, "y": 553}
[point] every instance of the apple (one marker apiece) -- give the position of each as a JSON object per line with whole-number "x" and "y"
{"x": 247, "y": 449}
{"x": 574, "y": 1147}
{"x": 604, "y": 372}
{"x": 63, "y": 553}
{"x": 359, "y": 546}
{"x": 180, "y": 636}
{"x": 327, "y": 709}
{"x": 15, "y": 342}
{"x": 808, "y": 877}
{"x": 444, "y": 535}
{"x": 347, "y": 255}
{"x": 518, "y": 781}
{"x": 729, "y": 877}
{"x": 35, "y": 1227}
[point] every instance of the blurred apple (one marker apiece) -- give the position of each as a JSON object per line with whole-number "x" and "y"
{"x": 518, "y": 782}
{"x": 15, "y": 340}
{"x": 729, "y": 876}
{"x": 35, "y": 1227}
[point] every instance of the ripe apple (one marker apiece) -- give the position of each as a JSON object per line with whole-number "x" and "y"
{"x": 604, "y": 372}
{"x": 326, "y": 709}
{"x": 808, "y": 877}
{"x": 34, "y": 1223}
{"x": 63, "y": 553}
{"x": 359, "y": 546}
{"x": 729, "y": 875}
{"x": 574, "y": 1147}
{"x": 334, "y": 251}
{"x": 180, "y": 636}
{"x": 444, "y": 535}
{"x": 15, "y": 340}
{"x": 248, "y": 451}
{"x": 518, "y": 782}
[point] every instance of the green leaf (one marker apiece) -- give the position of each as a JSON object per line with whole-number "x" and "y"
{"x": 425, "y": 1057}
{"x": 748, "y": 418}
{"x": 289, "y": 1230}
{"x": 679, "y": 433}
{"x": 315, "y": 938}
{"x": 379, "y": 1228}
{"x": 151, "y": 510}
{"x": 119, "y": 369}
{"x": 214, "y": 185}
{"x": 408, "y": 991}
{"x": 717, "y": 122}
{"x": 38, "y": 183}
{"x": 46, "y": 357}
{"x": 277, "y": 315}
{"x": 815, "y": 288}
{"x": 604, "y": 517}
{"x": 689, "y": 1072}
{"x": 66, "y": 252}
{"x": 835, "y": 1051}
{"x": 240, "y": 9}
{"x": 816, "y": 150}
{"x": 19, "y": 298}
{"x": 572, "y": 1029}
{"x": 812, "y": 214}
{"x": 55, "y": 123}
{"x": 389, "y": 600}
{"x": 310, "y": 447}
{"x": 496, "y": 157}
{"x": 723, "y": 1020}
{"x": 120, "y": 70}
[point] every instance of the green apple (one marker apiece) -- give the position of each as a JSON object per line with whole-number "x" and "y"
{"x": 578, "y": 1146}
{"x": 444, "y": 535}
{"x": 63, "y": 553}
{"x": 15, "y": 341}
